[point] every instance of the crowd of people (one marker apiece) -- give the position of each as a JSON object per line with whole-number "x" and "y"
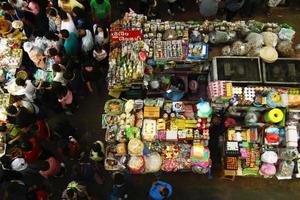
{"x": 69, "y": 39}
{"x": 210, "y": 9}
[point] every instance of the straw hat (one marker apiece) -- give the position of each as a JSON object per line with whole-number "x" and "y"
{"x": 268, "y": 54}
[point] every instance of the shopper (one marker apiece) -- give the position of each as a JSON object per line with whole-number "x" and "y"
{"x": 160, "y": 191}
{"x": 69, "y": 5}
{"x": 67, "y": 22}
{"x": 101, "y": 35}
{"x": 208, "y": 8}
{"x": 97, "y": 151}
{"x": 57, "y": 73}
{"x": 54, "y": 19}
{"x": 91, "y": 74}
{"x": 249, "y": 8}
{"x": 101, "y": 11}
{"x": 271, "y": 4}
{"x": 50, "y": 168}
{"x": 75, "y": 191}
{"x": 143, "y": 7}
{"x": 99, "y": 54}
{"x": 65, "y": 98}
{"x": 81, "y": 18}
{"x": 27, "y": 89}
{"x": 31, "y": 149}
{"x": 172, "y": 4}
{"x": 71, "y": 43}
{"x": 87, "y": 41}
{"x": 120, "y": 188}
{"x": 232, "y": 8}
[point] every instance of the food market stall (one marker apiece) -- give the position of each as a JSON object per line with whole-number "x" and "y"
{"x": 262, "y": 128}
{"x": 251, "y": 78}
{"x": 146, "y": 136}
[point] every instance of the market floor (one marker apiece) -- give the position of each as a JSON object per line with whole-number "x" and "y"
{"x": 187, "y": 186}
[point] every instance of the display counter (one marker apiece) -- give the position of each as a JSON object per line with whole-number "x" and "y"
{"x": 146, "y": 136}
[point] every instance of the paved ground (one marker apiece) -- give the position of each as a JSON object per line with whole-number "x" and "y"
{"x": 187, "y": 186}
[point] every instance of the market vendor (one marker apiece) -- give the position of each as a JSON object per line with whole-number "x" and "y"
{"x": 35, "y": 54}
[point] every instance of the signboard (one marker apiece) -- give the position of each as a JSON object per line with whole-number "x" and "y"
{"x": 133, "y": 35}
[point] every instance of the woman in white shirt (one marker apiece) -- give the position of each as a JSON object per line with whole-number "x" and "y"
{"x": 87, "y": 40}
{"x": 27, "y": 89}
{"x": 67, "y": 22}
{"x": 101, "y": 35}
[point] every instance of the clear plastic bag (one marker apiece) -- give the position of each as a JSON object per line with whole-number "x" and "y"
{"x": 255, "y": 39}
{"x": 288, "y": 153}
{"x": 285, "y": 48}
{"x": 286, "y": 168}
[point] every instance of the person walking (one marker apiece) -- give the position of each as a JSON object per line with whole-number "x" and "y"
{"x": 232, "y": 8}
{"x": 249, "y": 8}
{"x": 208, "y": 8}
{"x": 172, "y": 4}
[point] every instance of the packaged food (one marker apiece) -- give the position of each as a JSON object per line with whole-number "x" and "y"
{"x": 136, "y": 164}
{"x": 135, "y": 147}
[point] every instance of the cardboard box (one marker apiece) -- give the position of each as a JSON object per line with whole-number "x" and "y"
{"x": 151, "y": 112}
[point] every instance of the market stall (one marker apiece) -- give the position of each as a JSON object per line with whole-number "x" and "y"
{"x": 146, "y": 136}
{"x": 262, "y": 128}
{"x": 247, "y": 71}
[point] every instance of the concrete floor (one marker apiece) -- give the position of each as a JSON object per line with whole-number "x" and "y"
{"x": 187, "y": 186}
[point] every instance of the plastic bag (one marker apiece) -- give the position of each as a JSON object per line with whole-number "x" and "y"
{"x": 286, "y": 168}
{"x": 136, "y": 164}
{"x": 135, "y": 146}
{"x": 285, "y": 48}
{"x": 267, "y": 169}
{"x": 255, "y": 39}
{"x": 286, "y": 34}
{"x": 219, "y": 37}
{"x": 239, "y": 48}
{"x": 269, "y": 157}
{"x": 153, "y": 162}
{"x": 270, "y": 39}
{"x": 288, "y": 153}
{"x": 226, "y": 50}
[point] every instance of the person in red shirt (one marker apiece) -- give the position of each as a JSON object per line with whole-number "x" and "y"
{"x": 31, "y": 149}
{"x": 50, "y": 167}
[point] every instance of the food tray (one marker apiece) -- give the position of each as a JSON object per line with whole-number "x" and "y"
{"x": 118, "y": 106}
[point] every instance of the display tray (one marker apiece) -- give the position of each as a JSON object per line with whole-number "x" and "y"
{"x": 237, "y": 69}
{"x": 285, "y": 71}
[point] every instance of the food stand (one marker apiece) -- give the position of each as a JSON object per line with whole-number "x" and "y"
{"x": 237, "y": 76}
